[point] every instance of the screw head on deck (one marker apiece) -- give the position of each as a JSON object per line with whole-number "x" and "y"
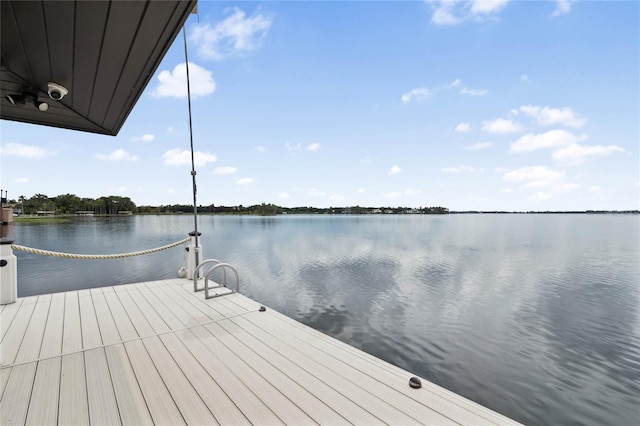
{"x": 415, "y": 382}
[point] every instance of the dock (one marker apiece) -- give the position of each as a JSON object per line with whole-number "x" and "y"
{"x": 158, "y": 353}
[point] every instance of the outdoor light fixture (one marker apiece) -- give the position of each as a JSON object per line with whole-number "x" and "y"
{"x": 21, "y": 100}
{"x": 15, "y": 99}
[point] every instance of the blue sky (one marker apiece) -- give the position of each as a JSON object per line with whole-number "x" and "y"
{"x": 482, "y": 105}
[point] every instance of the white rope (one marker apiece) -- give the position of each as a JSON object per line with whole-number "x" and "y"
{"x": 95, "y": 256}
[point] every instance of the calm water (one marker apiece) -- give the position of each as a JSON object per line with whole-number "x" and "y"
{"x": 534, "y": 316}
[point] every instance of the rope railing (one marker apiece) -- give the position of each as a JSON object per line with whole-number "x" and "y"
{"x": 96, "y": 256}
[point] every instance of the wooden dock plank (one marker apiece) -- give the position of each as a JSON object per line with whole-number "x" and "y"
{"x": 284, "y": 408}
{"x": 72, "y": 328}
{"x": 189, "y": 315}
{"x": 161, "y": 406}
{"x": 140, "y": 322}
{"x": 167, "y": 315}
{"x": 7, "y": 316}
{"x": 89, "y": 323}
{"x": 131, "y": 403}
{"x": 120, "y": 316}
{"x": 103, "y": 408}
{"x": 191, "y": 406}
{"x": 43, "y": 408}
{"x": 32, "y": 342}
{"x": 73, "y": 407}
{"x": 108, "y": 329}
{"x": 241, "y": 393}
{"x": 146, "y": 310}
{"x": 52, "y": 340}
{"x": 213, "y": 310}
{"x": 315, "y": 398}
{"x": 13, "y": 338}
{"x": 15, "y": 400}
{"x": 432, "y": 396}
{"x": 226, "y": 412}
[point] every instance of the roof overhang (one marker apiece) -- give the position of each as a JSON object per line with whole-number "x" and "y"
{"x": 103, "y": 52}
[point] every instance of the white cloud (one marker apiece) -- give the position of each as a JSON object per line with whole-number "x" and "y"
{"x": 547, "y": 116}
{"x": 534, "y": 176}
{"x": 394, "y": 170}
{"x": 418, "y": 95}
{"x": 224, "y": 170}
{"x": 316, "y": 192}
{"x": 478, "y": 145}
{"x": 412, "y": 191}
{"x": 524, "y": 77}
{"x": 118, "y": 189}
{"x": 576, "y": 154}
{"x": 27, "y": 151}
{"x": 458, "y": 169}
{"x": 546, "y": 183}
{"x": 361, "y": 191}
{"x": 463, "y": 127}
{"x": 117, "y": 155}
{"x": 551, "y": 139}
{"x": 393, "y": 194}
{"x": 260, "y": 148}
{"x": 473, "y": 92}
{"x": 170, "y": 129}
{"x": 336, "y": 197}
{"x": 562, "y": 7}
{"x": 283, "y": 196}
{"x": 453, "y": 12}
{"x": 454, "y": 83}
{"x": 313, "y": 147}
{"x": 234, "y": 35}
{"x": 174, "y": 84}
{"x": 245, "y": 181}
{"x": 366, "y": 160}
{"x": 147, "y": 137}
{"x": 595, "y": 188}
{"x": 179, "y": 157}
{"x": 21, "y": 180}
{"x": 293, "y": 147}
{"x": 501, "y": 126}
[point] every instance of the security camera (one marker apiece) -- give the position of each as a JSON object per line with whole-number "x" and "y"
{"x": 56, "y": 91}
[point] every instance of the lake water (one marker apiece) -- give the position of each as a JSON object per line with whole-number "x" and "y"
{"x": 534, "y": 316}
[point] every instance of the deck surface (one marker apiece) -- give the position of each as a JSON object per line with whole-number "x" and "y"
{"x": 158, "y": 353}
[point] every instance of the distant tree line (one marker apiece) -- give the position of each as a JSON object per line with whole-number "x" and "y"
{"x": 72, "y": 204}
{"x": 113, "y": 204}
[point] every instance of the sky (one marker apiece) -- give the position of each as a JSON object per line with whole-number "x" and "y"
{"x": 470, "y": 105}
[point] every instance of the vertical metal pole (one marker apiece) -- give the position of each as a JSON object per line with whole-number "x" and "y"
{"x": 193, "y": 165}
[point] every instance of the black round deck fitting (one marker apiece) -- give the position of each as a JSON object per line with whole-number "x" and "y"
{"x": 262, "y": 309}
{"x": 415, "y": 382}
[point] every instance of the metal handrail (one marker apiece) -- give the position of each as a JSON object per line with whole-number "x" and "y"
{"x": 211, "y": 271}
{"x": 195, "y": 274}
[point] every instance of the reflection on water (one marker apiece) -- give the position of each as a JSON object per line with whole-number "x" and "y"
{"x": 535, "y": 316}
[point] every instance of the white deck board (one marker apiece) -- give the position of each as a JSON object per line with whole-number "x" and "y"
{"x": 161, "y": 406}
{"x": 103, "y": 409}
{"x": 32, "y": 341}
{"x": 73, "y": 407}
{"x": 240, "y": 392}
{"x": 52, "y": 340}
{"x": 131, "y": 403}
{"x": 138, "y": 320}
{"x": 185, "y": 396}
{"x": 155, "y": 321}
{"x": 89, "y": 323}
{"x": 43, "y": 407}
{"x": 13, "y": 338}
{"x": 108, "y": 328}
{"x": 15, "y": 400}
{"x": 158, "y": 353}
{"x": 7, "y": 316}
{"x": 72, "y": 329}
